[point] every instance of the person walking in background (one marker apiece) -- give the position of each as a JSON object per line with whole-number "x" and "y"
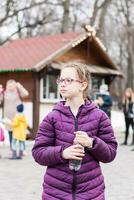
{"x": 19, "y": 126}
{"x": 81, "y": 120}
{"x": 11, "y": 97}
{"x": 128, "y": 110}
{"x": 104, "y": 100}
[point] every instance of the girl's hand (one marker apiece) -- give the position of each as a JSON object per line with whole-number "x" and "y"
{"x": 75, "y": 152}
{"x": 83, "y": 139}
{"x": 18, "y": 85}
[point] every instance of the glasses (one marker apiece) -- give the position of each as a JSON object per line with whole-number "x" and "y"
{"x": 66, "y": 81}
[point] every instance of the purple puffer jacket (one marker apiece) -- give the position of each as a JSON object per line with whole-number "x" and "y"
{"x": 56, "y": 132}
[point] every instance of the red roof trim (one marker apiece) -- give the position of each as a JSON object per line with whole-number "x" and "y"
{"x": 25, "y": 54}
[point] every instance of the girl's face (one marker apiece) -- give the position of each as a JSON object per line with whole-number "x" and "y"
{"x": 70, "y": 84}
{"x": 128, "y": 94}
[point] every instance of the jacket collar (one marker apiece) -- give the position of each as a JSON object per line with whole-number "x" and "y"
{"x": 83, "y": 109}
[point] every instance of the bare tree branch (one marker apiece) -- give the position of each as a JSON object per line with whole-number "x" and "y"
{"x": 34, "y": 25}
{"x": 23, "y": 9}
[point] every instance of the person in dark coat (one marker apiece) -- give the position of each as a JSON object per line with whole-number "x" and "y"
{"x": 104, "y": 100}
{"x": 128, "y": 110}
{"x": 80, "y": 119}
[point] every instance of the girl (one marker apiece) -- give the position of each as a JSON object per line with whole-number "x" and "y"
{"x": 128, "y": 109}
{"x": 78, "y": 118}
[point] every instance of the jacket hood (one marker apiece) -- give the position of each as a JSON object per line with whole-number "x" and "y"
{"x": 21, "y": 118}
{"x": 83, "y": 109}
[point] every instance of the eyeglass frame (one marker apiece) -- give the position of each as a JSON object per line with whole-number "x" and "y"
{"x": 59, "y": 81}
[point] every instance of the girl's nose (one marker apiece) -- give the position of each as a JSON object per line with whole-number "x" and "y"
{"x": 63, "y": 84}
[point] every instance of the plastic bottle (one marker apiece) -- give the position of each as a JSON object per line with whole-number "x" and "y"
{"x": 75, "y": 164}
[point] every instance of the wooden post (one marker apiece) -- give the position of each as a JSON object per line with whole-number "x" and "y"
{"x": 36, "y": 102}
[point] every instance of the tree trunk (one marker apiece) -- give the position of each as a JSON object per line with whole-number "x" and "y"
{"x": 103, "y": 13}
{"x": 95, "y": 13}
{"x": 66, "y": 19}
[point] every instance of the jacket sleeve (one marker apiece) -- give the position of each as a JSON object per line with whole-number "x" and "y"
{"x": 44, "y": 151}
{"x": 104, "y": 145}
{"x": 15, "y": 122}
{"x": 22, "y": 91}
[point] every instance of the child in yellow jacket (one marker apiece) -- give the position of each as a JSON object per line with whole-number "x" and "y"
{"x": 19, "y": 126}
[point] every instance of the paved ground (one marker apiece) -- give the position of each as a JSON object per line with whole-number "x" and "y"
{"x": 119, "y": 175}
{"x": 22, "y": 179}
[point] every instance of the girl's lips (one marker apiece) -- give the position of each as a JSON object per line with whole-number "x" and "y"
{"x": 63, "y": 90}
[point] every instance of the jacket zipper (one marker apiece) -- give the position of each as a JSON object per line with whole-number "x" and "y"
{"x": 74, "y": 184}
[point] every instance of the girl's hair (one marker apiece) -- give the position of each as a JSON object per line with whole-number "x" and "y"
{"x": 10, "y": 81}
{"x": 83, "y": 74}
{"x": 126, "y": 98}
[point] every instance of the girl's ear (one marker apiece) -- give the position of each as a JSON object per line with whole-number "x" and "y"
{"x": 83, "y": 85}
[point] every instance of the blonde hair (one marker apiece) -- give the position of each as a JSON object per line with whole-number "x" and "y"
{"x": 126, "y": 98}
{"x": 10, "y": 81}
{"x": 83, "y": 74}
